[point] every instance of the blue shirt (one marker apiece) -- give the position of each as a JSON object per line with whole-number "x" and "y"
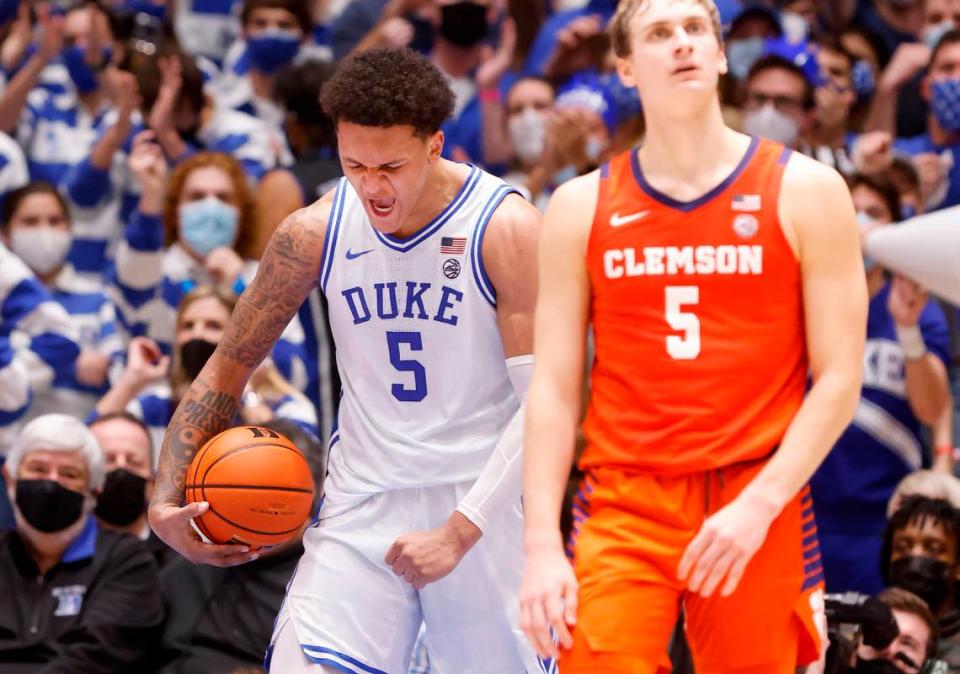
{"x": 880, "y": 447}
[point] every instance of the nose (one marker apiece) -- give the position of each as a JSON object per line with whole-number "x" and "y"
{"x": 371, "y": 183}
{"x": 683, "y": 41}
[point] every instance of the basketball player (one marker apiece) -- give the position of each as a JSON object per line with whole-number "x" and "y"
{"x": 717, "y": 270}
{"x": 429, "y": 268}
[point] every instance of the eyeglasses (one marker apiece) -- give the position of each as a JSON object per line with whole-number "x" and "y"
{"x": 756, "y": 100}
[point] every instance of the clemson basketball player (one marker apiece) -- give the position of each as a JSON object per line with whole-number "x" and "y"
{"x": 717, "y": 271}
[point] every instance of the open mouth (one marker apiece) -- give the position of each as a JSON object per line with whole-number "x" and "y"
{"x": 382, "y": 207}
{"x": 682, "y": 70}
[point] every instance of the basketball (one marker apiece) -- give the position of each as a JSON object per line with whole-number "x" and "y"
{"x": 258, "y": 485}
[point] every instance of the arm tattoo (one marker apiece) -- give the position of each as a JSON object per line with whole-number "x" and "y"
{"x": 287, "y": 273}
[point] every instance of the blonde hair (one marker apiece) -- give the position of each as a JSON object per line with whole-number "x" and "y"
{"x": 619, "y": 28}
{"x": 926, "y": 483}
{"x": 179, "y": 381}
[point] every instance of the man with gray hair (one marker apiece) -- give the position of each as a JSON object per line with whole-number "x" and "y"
{"x": 75, "y": 597}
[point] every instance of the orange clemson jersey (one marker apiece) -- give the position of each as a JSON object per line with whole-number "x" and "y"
{"x": 698, "y": 321}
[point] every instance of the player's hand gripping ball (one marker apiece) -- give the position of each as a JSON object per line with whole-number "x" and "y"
{"x": 258, "y": 485}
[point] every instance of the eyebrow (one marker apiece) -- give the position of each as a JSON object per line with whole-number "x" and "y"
{"x": 351, "y": 160}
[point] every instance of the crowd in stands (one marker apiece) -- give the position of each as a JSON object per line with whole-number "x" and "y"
{"x": 148, "y": 149}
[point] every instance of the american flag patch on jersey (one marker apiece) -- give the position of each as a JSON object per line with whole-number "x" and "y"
{"x": 746, "y": 202}
{"x": 453, "y": 245}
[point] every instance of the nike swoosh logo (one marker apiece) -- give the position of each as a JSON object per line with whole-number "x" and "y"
{"x": 617, "y": 220}
{"x": 353, "y": 256}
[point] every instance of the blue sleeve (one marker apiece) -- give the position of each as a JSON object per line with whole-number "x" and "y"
{"x": 144, "y": 232}
{"x": 87, "y": 185}
{"x": 936, "y": 332}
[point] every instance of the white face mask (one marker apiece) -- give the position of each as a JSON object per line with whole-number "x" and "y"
{"x": 43, "y": 249}
{"x": 932, "y": 34}
{"x": 527, "y": 134}
{"x": 768, "y": 122}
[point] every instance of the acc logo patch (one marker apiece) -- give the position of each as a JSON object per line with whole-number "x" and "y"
{"x": 746, "y": 226}
{"x": 451, "y": 268}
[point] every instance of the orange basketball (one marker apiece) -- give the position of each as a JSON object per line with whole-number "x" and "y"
{"x": 257, "y": 483}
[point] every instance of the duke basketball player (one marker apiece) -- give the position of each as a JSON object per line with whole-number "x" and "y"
{"x": 429, "y": 269}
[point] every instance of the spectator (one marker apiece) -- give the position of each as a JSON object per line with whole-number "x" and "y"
{"x": 40, "y": 337}
{"x": 921, "y": 553}
{"x": 13, "y": 167}
{"x": 827, "y": 139}
{"x": 77, "y": 598}
{"x": 529, "y": 105}
{"x": 917, "y": 641}
{"x": 934, "y": 151}
{"x": 367, "y": 24}
{"x": 274, "y": 32}
{"x": 128, "y": 484}
{"x": 152, "y": 384}
{"x": 778, "y": 101}
{"x": 191, "y": 230}
{"x": 207, "y": 630}
{"x": 904, "y": 386}
{"x": 36, "y": 226}
{"x": 746, "y": 38}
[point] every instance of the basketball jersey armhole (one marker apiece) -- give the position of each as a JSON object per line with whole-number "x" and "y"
{"x": 332, "y": 233}
{"x": 484, "y": 285}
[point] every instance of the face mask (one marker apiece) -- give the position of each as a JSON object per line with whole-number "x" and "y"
{"x": 43, "y": 249}
{"x": 768, "y": 122}
{"x": 926, "y": 577}
{"x": 48, "y": 506}
{"x": 946, "y": 104}
{"x": 932, "y": 34}
{"x": 795, "y": 28}
{"x": 864, "y": 80}
{"x": 208, "y": 224}
{"x": 194, "y": 355}
{"x": 82, "y": 75}
{"x": 144, "y": 7}
{"x": 272, "y": 49}
{"x": 879, "y": 666}
{"x": 527, "y": 132}
{"x": 123, "y": 498}
{"x": 594, "y": 148}
{"x": 464, "y": 23}
{"x": 742, "y": 54}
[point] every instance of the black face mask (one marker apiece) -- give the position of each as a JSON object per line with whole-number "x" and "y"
{"x": 48, "y": 506}
{"x": 123, "y": 499}
{"x": 464, "y": 23}
{"x": 194, "y": 355}
{"x": 879, "y": 666}
{"x": 926, "y": 577}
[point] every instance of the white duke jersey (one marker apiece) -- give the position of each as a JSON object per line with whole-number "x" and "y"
{"x": 426, "y": 393}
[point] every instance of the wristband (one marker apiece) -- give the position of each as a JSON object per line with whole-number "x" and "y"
{"x": 911, "y": 340}
{"x": 490, "y": 95}
{"x": 943, "y": 450}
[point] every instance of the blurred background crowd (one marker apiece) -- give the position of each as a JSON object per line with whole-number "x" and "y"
{"x": 148, "y": 148}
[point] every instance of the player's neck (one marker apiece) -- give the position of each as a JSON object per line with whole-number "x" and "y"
{"x": 686, "y": 148}
{"x": 444, "y": 182}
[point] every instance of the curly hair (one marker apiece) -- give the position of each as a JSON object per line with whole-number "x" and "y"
{"x": 246, "y": 220}
{"x": 388, "y": 87}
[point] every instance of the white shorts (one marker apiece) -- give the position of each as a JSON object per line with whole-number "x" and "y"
{"x": 350, "y": 612}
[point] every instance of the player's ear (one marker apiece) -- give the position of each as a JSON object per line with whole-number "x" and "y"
{"x": 722, "y": 66}
{"x": 435, "y": 146}
{"x": 625, "y": 72}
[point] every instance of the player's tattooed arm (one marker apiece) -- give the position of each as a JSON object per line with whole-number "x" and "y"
{"x": 287, "y": 273}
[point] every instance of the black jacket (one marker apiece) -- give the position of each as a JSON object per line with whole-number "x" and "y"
{"x": 219, "y": 619}
{"x": 97, "y": 611}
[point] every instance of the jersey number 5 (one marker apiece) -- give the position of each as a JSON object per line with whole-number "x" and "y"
{"x": 686, "y": 347}
{"x": 415, "y": 342}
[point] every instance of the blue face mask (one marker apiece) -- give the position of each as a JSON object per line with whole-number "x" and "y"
{"x": 81, "y": 74}
{"x": 864, "y": 81}
{"x": 946, "y": 104}
{"x": 208, "y": 224}
{"x": 742, "y": 54}
{"x": 271, "y": 50}
{"x": 144, "y": 7}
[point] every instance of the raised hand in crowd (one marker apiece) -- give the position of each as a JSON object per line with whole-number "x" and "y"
{"x": 580, "y": 44}
{"x": 146, "y": 364}
{"x": 934, "y": 173}
{"x": 495, "y": 63}
{"x": 149, "y": 168}
{"x": 18, "y": 39}
{"x": 873, "y": 152}
{"x": 92, "y": 367}
{"x": 161, "y": 116}
{"x": 225, "y": 265}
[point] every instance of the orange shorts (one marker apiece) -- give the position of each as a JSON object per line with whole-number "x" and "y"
{"x": 629, "y": 534}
